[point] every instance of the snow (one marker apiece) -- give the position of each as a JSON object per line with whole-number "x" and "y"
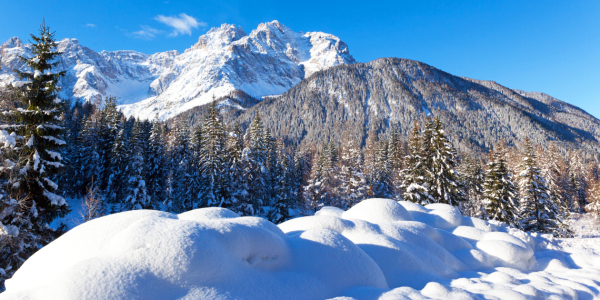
{"x": 7, "y": 139}
{"x": 379, "y": 249}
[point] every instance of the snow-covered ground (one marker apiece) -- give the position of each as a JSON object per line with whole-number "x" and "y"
{"x": 379, "y": 249}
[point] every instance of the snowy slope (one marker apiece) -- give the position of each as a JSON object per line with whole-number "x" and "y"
{"x": 379, "y": 249}
{"x": 268, "y": 61}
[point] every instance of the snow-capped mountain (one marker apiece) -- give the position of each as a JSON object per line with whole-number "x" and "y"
{"x": 268, "y": 61}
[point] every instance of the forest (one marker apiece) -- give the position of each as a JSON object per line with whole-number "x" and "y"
{"x": 54, "y": 150}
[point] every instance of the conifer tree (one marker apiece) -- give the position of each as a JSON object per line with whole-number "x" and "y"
{"x": 444, "y": 186}
{"x": 30, "y": 158}
{"x": 414, "y": 174}
{"x": 396, "y": 154}
{"x": 213, "y": 188}
{"x": 500, "y": 193}
{"x": 38, "y": 132}
{"x": 554, "y": 170}
{"x": 472, "y": 176}
{"x": 137, "y": 195}
{"x": 353, "y": 184}
{"x": 381, "y": 182}
{"x": 117, "y": 179}
{"x": 284, "y": 172}
{"x": 182, "y": 196}
{"x": 238, "y": 188}
{"x": 155, "y": 165}
{"x": 255, "y": 168}
{"x": 538, "y": 212}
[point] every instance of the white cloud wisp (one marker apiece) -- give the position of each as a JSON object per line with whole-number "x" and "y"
{"x": 182, "y": 24}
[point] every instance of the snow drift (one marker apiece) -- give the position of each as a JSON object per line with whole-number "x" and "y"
{"x": 379, "y": 249}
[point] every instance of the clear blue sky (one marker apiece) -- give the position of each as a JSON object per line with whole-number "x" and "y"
{"x": 548, "y": 46}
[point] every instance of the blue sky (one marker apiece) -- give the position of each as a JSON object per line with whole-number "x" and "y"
{"x": 547, "y": 46}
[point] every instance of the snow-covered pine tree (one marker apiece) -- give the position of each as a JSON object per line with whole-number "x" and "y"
{"x": 381, "y": 182}
{"x": 137, "y": 195}
{"x": 413, "y": 174}
{"x": 444, "y": 186}
{"x": 238, "y": 188}
{"x": 273, "y": 174}
{"x": 353, "y": 185}
{"x": 285, "y": 174}
{"x": 500, "y": 198}
{"x": 554, "y": 170}
{"x": 30, "y": 157}
{"x": 396, "y": 154}
{"x": 213, "y": 188}
{"x": 117, "y": 178}
{"x": 593, "y": 193}
{"x": 315, "y": 190}
{"x": 538, "y": 212}
{"x": 108, "y": 125}
{"x": 255, "y": 168}
{"x": 182, "y": 197}
{"x": 155, "y": 165}
{"x": 578, "y": 181}
{"x": 472, "y": 176}
{"x": 38, "y": 133}
{"x": 302, "y": 175}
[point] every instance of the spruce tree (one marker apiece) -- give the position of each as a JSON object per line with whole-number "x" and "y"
{"x": 117, "y": 178}
{"x": 353, "y": 184}
{"x": 238, "y": 188}
{"x": 284, "y": 173}
{"x": 39, "y": 130}
{"x": 155, "y": 164}
{"x": 181, "y": 159}
{"x": 381, "y": 182}
{"x": 445, "y": 186}
{"x": 499, "y": 192}
{"x": 538, "y": 212}
{"x": 137, "y": 194}
{"x": 254, "y": 159}
{"x": 472, "y": 176}
{"x": 414, "y": 174}
{"x": 213, "y": 188}
{"x": 31, "y": 157}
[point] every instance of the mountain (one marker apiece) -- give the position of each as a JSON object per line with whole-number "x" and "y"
{"x": 268, "y": 61}
{"x": 348, "y": 101}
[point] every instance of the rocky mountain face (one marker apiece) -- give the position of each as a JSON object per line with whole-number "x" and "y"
{"x": 268, "y": 61}
{"x": 350, "y": 101}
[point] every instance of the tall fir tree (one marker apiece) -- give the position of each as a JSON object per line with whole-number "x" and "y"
{"x": 445, "y": 186}
{"x": 538, "y": 212}
{"x": 214, "y": 182}
{"x": 381, "y": 181}
{"x": 117, "y": 178}
{"x": 137, "y": 194}
{"x": 155, "y": 165}
{"x": 353, "y": 184}
{"x": 499, "y": 192}
{"x": 472, "y": 176}
{"x": 414, "y": 174}
{"x": 254, "y": 159}
{"x": 32, "y": 157}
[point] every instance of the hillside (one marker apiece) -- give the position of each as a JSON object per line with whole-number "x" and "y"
{"x": 346, "y": 102}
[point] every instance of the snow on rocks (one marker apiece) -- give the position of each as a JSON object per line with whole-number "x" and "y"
{"x": 379, "y": 249}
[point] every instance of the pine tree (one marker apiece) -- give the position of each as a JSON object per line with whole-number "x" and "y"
{"x": 137, "y": 195}
{"x": 578, "y": 184}
{"x": 396, "y": 154}
{"x": 120, "y": 159}
{"x": 538, "y": 212}
{"x": 284, "y": 173}
{"x": 238, "y": 187}
{"x": 213, "y": 191}
{"x": 155, "y": 165}
{"x": 444, "y": 186}
{"x": 500, "y": 193}
{"x": 181, "y": 160}
{"x": 414, "y": 175}
{"x": 553, "y": 169}
{"x": 472, "y": 176}
{"x": 28, "y": 202}
{"x": 381, "y": 182}
{"x": 255, "y": 168}
{"x": 353, "y": 184}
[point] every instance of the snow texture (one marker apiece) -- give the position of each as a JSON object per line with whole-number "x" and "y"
{"x": 379, "y": 249}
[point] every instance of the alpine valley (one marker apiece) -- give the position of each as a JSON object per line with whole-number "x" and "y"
{"x": 310, "y": 90}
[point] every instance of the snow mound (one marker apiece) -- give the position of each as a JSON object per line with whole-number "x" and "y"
{"x": 379, "y": 249}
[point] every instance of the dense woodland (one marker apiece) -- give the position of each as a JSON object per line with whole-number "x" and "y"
{"x": 55, "y": 150}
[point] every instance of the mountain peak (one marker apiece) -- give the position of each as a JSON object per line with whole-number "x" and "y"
{"x": 218, "y": 37}
{"x": 13, "y": 42}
